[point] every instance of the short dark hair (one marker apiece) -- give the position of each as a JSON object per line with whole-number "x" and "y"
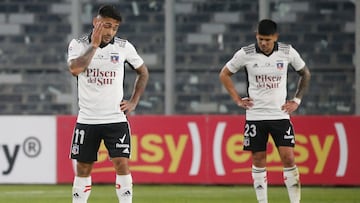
{"x": 109, "y": 11}
{"x": 267, "y": 27}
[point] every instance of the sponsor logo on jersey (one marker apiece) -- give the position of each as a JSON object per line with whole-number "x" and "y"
{"x": 289, "y": 136}
{"x": 268, "y": 81}
{"x": 100, "y": 77}
{"x": 123, "y": 138}
{"x": 118, "y": 145}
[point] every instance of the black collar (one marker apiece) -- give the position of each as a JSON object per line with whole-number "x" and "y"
{"x": 258, "y": 50}
{"x": 102, "y": 45}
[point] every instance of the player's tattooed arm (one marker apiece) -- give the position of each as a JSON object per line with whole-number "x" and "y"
{"x": 80, "y": 64}
{"x": 303, "y": 83}
{"x": 140, "y": 82}
{"x": 139, "y": 88}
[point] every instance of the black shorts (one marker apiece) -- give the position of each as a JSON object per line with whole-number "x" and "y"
{"x": 87, "y": 138}
{"x": 256, "y": 134}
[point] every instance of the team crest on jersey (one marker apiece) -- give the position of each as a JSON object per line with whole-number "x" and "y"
{"x": 114, "y": 58}
{"x": 280, "y": 65}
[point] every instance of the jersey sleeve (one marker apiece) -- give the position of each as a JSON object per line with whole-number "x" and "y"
{"x": 74, "y": 50}
{"x": 236, "y": 62}
{"x": 132, "y": 56}
{"x": 295, "y": 59}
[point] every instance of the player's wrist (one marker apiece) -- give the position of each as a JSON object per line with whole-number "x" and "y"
{"x": 297, "y": 100}
{"x": 238, "y": 101}
{"x": 93, "y": 46}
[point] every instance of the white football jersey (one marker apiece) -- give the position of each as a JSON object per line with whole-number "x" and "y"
{"x": 100, "y": 87}
{"x": 267, "y": 78}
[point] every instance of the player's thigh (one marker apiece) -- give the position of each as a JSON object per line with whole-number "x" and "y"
{"x": 117, "y": 139}
{"x": 255, "y": 136}
{"x": 282, "y": 132}
{"x": 85, "y": 143}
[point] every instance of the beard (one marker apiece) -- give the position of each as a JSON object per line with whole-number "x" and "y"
{"x": 106, "y": 39}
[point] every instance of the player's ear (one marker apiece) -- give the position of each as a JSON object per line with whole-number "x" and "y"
{"x": 276, "y": 36}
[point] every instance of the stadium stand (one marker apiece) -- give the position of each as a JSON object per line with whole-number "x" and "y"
{"x": 34, "y": 35}
{"x": 34, "y": 78}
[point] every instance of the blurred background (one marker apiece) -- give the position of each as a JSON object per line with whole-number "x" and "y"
{"x": 184, "y": 43}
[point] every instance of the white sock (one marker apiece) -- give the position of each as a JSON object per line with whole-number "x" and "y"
{"x": 124, "y": 188}
{"x": 292, "y": 182}
{"x": 260, "y": 183}
{"x": 81, "y": 189}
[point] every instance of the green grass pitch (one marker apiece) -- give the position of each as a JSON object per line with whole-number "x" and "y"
{"x": 176, "y": 194}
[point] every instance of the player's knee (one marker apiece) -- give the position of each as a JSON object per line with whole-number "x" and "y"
{"x": 83, "y": 169}
{"x": 121, "y": 166}
{"x": 259, "y": 159}
{"x": 288, "y": 161}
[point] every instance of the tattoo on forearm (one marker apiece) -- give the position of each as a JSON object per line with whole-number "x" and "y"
{"x": 86, "y": 58}
{"x": 304, "y": 82}
{"x": 140, "y": 84}
{"x": 81, "y": 63}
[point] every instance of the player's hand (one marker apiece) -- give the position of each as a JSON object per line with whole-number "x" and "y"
{"x": 97, "y": 34}
{"x": 127, "y": 106}
{"x": 245, "y": 103}
{"x": 289, "y": 107}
